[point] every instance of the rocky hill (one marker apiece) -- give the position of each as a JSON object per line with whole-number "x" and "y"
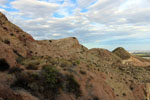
{"x": 66, "y": 70}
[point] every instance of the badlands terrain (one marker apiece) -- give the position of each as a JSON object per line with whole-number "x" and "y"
{"x": 64, "y": 69}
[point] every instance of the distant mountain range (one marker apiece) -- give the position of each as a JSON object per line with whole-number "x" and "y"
{"x": 139, "y": 51}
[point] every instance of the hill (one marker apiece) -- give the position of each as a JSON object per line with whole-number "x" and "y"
{"x": 122, "y": 53}
{"x": 64, "y": 69}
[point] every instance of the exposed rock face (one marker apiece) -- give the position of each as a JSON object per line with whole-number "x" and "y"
{"x": 100, "y": 74}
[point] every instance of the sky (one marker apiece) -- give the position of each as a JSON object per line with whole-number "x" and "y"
{"x": 96, "y": 23}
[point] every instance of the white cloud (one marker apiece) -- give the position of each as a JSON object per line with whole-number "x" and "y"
{"x": 34, "y": 8}
{"x": 56, "y": 34}
{"x": 2, "y": 10}
{"x": 85, "y": 3}
{"x": 2, "y": 2}
{"x": 104, "y": 22}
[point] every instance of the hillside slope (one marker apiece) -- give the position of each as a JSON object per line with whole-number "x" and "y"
{"x": 129, "y": 59}
{"x": 66, "y": 70}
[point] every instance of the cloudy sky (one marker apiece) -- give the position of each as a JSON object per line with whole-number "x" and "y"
{"x": 96, "y": 23}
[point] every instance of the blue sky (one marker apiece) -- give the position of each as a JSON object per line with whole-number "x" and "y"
{"x": 96, "y": 23}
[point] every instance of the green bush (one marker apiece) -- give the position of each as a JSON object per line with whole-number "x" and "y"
{"x": 76, "y": 62}
{"x": 47, "y": 83}
{"x": 51, "y": 77}
{"x": 82, "y": 72}
{"x": 22, "y": 80}
{"x": 65, "y": 63}
{"x": 53, "y": 61}
{"x": 19, "y": 59}
{"x": 6, "y": 41}
{"x": 73, "y": 86}
{"x": 32, "y": 66}
{"x": 15, "y": 70}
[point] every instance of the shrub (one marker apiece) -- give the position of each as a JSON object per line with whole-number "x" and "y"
{"x": 16, "y": 52}
{"x": 4, "y": 65}
{"x": 50, "y": 40}
{"x": 73, "y": 86}
{"x": 23, "y": 36}
{"x": 76, "y": 62}
{"x": 26, "y": 80}
{"x": 19, "y": 58}
{"x": 65, "y": 63}
{"x": 11, "y": 34}
{"x": 5, "y": 28}
{"x": 51, "y": 78}
{"x": 22, "y": 80}
{"x": 53, "y": 61}
{"x": 32, "y": 66}
{"x": 48, "y": 78}
{"x": 132, "y": 87}
{"x": 95, "y": 98}
{"x": 15, "y": 70}
{"x": 124, "y": 94}
{"x": 74, "y": 37}
{"x": 47, "y": 83}
{"x": 82, "y": 72}
{"x": 6, "y": 41}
